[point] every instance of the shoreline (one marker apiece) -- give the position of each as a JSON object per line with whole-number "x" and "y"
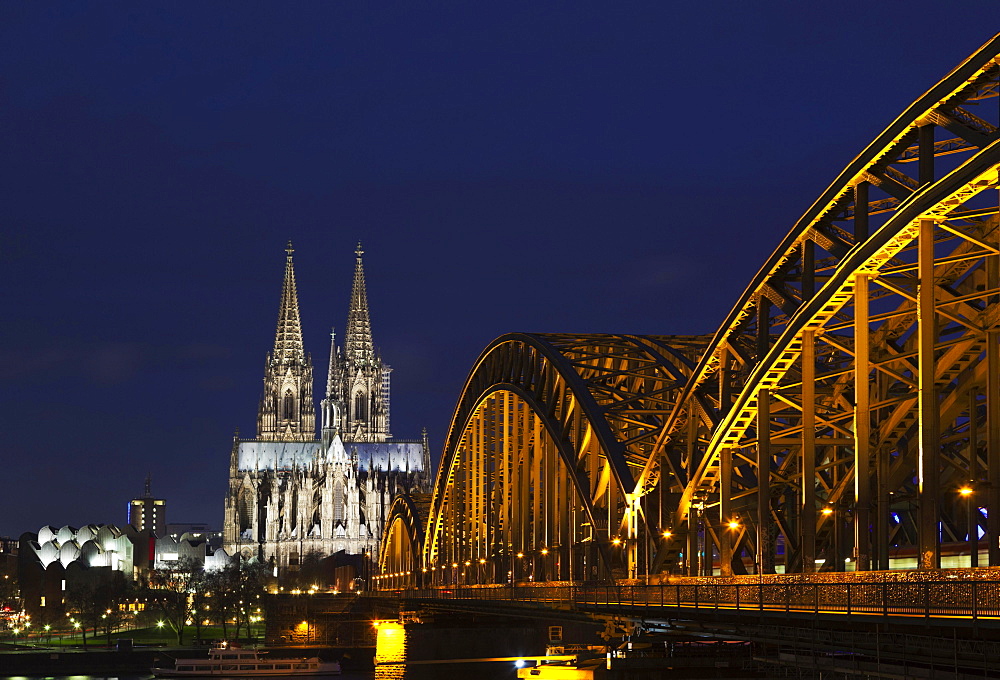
{"x": 139, "y": 660}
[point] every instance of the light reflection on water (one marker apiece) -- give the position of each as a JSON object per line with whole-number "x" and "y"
{"x": 446, "y": 671}
{"x": 479, "y": 671}
{"x": 347, "y": 675}
{"x": 391, "y": 646}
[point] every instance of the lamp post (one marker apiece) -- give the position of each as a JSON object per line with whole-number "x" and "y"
{"x": 972, "y": 527}
{"x": 696, "y": 554}
{"x": 667, "y": 535}
{"x": 836, "y": 515}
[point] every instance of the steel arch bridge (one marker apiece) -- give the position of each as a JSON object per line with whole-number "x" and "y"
{"x": 846, "y": 414}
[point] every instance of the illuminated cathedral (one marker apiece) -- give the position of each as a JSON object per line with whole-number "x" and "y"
{"x": 295, "y": 493}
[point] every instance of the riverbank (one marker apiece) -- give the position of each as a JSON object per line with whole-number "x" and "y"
{"x": 139, "y": 660}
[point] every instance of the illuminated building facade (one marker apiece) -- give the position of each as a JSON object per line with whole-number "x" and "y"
{"x": 52, "y": 560}
{"x": 295, "y": 493}
{"x": 149, "y": 513}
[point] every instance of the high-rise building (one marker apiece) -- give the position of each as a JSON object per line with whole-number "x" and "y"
{"x": 295, "y": 493}
{"x": 147, "y": 513}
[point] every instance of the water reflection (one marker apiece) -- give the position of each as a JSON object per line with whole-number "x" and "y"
{"x": 391, "y": 661}
{"x": 347, "y": 675}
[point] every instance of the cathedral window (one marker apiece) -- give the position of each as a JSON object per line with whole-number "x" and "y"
{"x": 289, "y": 411}
{"x": 338, "y": 503}
{"x": 244, "y": 511}
{"x": 360, "y": 407}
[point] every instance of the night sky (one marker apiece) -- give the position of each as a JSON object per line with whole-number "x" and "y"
{"x": 617, "y": 167}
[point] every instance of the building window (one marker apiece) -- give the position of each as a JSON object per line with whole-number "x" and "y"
{"x": 289, "y": 406}
{"x": 360, "y": 407}
{"x": 338, "y": 503}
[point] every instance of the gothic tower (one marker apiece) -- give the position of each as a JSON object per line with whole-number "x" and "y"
{"x": 293, "y": 494}
{"x": 286, "y": 410}
{"x": 357, "y": 391}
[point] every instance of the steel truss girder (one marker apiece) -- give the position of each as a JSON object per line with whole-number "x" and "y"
{"x": 760, "y": 346}
{"x": 574, "y": 415}
{"x": 855, "y": 383}
{"x": 401, "y": 547}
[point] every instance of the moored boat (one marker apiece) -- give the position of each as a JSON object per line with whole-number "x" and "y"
{"x": 231, "y": 661}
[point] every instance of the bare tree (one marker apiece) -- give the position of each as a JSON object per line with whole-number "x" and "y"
{"x": 238, "y": 593}
{"x": 169, "y": 590}
{"x": 201, "y": 586}
{"x": 97, "y": 599}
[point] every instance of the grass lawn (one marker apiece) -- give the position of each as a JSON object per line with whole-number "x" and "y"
{"x": 140, "y": 636}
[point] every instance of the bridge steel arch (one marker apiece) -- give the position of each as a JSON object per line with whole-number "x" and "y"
{"x": 539, "y": 467}
{"x": 400, "y": 558}
{"x": 848, "y": 409}
{"x": 845, "y": 415}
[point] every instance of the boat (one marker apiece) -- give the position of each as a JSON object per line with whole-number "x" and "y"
{"x": 227, "y": 661}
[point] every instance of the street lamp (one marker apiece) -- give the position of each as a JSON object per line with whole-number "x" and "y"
{"x": 972, "y": 527}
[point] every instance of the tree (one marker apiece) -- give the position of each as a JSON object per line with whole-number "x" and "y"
{"x": 238, "y": 594}
{"x": 113, "y": 594}
{"x": 219, "y": 600}
{"x": 95, "y": 597}
{"x": 250, "y": 586}
{"x": 201, "y": 586}
{"x": 169, "y": 589}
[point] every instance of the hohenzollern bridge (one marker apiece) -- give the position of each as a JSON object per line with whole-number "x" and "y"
{"x": 839, "y": 431}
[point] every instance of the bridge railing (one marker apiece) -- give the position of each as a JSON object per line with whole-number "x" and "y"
{"x": 947, "y": 598}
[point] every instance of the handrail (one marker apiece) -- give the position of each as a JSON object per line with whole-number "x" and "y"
{"x": 977, "y": 600}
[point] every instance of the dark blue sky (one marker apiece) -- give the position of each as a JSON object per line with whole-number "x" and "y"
{"x": 559, "y": 166}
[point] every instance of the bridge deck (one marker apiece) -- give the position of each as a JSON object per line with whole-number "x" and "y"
{"x": 940, "y": 600}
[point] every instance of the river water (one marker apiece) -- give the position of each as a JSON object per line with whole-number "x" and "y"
{"x": 400, "y": 655}
{"x": 479, "y": 671}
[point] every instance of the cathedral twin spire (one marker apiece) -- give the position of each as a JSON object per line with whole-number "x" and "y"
{"x": 356, "y": 399}
{"x": 286, "y": 411}
{"x": 288, "y": 338}
{"x": 359, "y": 346}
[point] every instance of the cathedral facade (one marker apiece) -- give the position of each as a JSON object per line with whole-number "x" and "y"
{"x": 295, "y": 493}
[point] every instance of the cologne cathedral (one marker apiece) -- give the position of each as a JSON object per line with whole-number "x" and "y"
{"x": 295, "y": 493}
